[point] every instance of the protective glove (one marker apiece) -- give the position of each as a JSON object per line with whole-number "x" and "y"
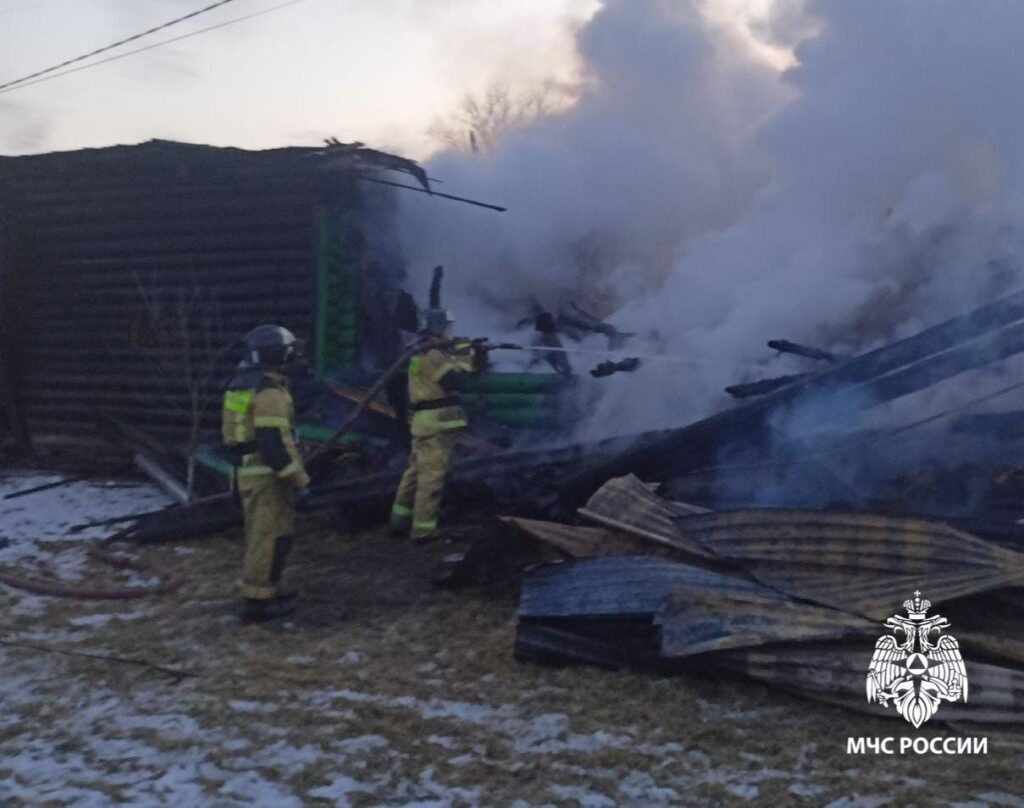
{"x": 480, "y": 359}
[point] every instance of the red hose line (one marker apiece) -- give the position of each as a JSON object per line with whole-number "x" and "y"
{"x": 40, "y": 586}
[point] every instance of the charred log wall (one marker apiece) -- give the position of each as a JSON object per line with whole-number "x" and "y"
{"x": 135, "y": 251}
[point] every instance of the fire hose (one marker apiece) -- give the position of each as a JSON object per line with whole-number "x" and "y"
{"x": 168, "y": 582}
{"x": 393, "y": 369}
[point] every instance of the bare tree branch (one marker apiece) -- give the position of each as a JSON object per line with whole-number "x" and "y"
{"x": 483, "y": 120}
{"x": 175, "y": 673}
{"x": 185, "y": 344}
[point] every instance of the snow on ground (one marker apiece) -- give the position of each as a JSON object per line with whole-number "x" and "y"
{"x": 49, "y": 515}
{"x": 36, "y": 529}
{"x": 383, "y": 691}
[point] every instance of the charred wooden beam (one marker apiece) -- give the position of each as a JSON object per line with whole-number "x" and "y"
{"x": 24, "y": 492}
{"x": 576, "y": 318}
{"x": 610, "y": 367}
{"x": 760, "y": 388}
{"x": 973, "y": 353}
{"x": 199, "y": 519}
{"x": 523, "y": 480}
{"x": 1003, "y": 425}
{"x": 785, "y": 346}
{"x": 987, "y": 334}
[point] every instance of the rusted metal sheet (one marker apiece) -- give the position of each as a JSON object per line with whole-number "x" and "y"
{"x": 854, "y": 561}
{"x": 581, "y": 542}
{"x": 835, "y": 673}
{"x": 627, "y": 504}
{"x": 616, "y": 585}
{"x": 1004, "y": 648}
{"x": 849, "y": 561}
{"x": 823, "y": 653}
{"x": 605, "y": 642}
{"x": 805, "y": 620}
{"x": 697, "y": 622}
{"x": 600, "y": 611}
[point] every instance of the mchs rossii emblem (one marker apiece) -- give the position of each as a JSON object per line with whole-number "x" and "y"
{"x": 913, "y": 673}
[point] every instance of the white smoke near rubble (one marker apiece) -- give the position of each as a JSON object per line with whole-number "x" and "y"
{"x": 702, "y": 197}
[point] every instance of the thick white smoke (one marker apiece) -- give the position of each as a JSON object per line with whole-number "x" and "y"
{"x": 700, "y": 197}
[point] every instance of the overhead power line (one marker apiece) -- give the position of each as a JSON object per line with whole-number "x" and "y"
{"x": 117, "y": 44}
{"x": 25, "y": 83}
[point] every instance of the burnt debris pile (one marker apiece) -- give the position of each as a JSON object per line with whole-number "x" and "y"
{"x": 792, "y": 598}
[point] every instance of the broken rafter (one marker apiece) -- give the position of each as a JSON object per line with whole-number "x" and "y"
{"x": 475, "y": 202}
{"x": 760, "y": 388}
{"x": 785, "y": 346}
{"x": 987, "y": 334}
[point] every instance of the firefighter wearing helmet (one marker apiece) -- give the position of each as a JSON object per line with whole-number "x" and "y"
{"x": 435, "y": 377}
{"x": 258, "y": 429}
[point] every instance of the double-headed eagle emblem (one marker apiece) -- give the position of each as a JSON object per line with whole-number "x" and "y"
{"x": 915, "y": 674}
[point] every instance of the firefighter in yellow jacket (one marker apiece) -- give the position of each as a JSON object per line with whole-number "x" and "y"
{"x": 435, "y": 377}
{"x": 258, "y": 429}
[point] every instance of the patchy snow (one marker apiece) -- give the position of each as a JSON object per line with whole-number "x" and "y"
{"x": 859, "y": 801}
{"x": 299, "y": 713}
{"x": 340, "y": 787}
{"x": 444, "y": 741}
{"x": 745, "y": 791}
{"x": 252, "y": 706}
{"x": 583, "y": 796}
{"x": 35, "y": 537}
{"x": 1001, "y": 798}
{"x": 361, "y": 744}
{"x": 92, "y": 620}
{"x": 67, "y": 565}
{"x": 642, "y": 789}
{"x": 351, "y": 658}
{"x": 50, "y": 514}
{"x": 807, "y": 790}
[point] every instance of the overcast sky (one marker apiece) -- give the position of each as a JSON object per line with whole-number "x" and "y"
{"x": 379, "y": 71}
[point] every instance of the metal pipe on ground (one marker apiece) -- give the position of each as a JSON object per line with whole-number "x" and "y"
{"x": 170, "y": 486}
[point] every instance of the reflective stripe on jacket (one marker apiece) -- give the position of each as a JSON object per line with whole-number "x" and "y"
{"x": 250, "y": 411}
{"x": 426, "y": 371}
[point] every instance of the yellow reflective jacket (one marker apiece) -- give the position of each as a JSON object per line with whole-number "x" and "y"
{"x": 258, "y": 402}
{"x": 434, "y": 409}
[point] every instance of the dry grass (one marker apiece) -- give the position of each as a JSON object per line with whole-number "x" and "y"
{"x": 382, "y": 690}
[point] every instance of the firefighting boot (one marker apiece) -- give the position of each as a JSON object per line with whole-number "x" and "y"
{"x": 398, "y": 527}
{"x": 258, "y": 610}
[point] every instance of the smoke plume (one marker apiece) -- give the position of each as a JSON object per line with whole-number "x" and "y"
{"x": 705, "y": 197}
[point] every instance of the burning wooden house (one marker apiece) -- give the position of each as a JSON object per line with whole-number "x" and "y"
{"x": 128, "y": 272}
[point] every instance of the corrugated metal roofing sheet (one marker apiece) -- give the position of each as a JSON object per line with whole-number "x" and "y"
{"x": 626, "y": 503}
{"x": 584, "y": 542}
{"x": 697, "y": 622}
{"x": 835, "y": 673}
{"x": 855, "y": 561}
{"x": 615, "y": 585}
{"x": 849, "y": 561}
{"x": 801, "y": 624}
